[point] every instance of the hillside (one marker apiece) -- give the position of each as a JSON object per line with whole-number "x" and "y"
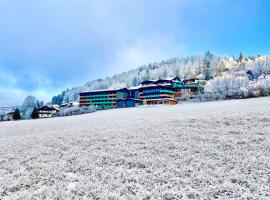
{"x": 205, "y": 67}
{"x": 205, "y": 150}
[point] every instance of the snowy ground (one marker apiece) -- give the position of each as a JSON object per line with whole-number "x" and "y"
{"x": 214, "y": 150}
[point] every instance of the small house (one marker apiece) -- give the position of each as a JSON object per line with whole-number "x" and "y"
{"x": 8, "y": 116}
{"x": 47, "y": 111}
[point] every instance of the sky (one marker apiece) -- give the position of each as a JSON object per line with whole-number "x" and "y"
{"x": 48, "y": 46}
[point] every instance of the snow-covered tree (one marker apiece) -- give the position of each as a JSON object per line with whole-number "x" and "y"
{"x": 29, "y": 103}
{"x": 207, "y": 66}
{"x": 228, "y": 85}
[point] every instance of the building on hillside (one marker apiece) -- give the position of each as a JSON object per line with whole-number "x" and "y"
{"x": 103, "y": 99}
{"x": 149, "y": 92}
{"x": 8, "y": 116}
{"x": 47, "y": 111}
{"x": 190, "y": 89}
{"x": 166, "y": 91}
{"x": 70, "y": 104}
{"x": 190, "y": 81}
{"x": 155, "y": 94}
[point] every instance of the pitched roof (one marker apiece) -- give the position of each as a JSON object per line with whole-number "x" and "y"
{"x": 48, "y": 107}
{"x": 160, "y": 80}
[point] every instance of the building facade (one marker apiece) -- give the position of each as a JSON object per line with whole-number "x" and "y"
{"x": 127, "y": 103}
{"x": 8, "y": 116}
{"x": 47, "y": 111}
{"x": 162, "y": 91}
{"x": 103, "y": 99}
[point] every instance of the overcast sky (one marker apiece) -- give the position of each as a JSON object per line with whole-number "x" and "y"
{"x": 47, "y": 46}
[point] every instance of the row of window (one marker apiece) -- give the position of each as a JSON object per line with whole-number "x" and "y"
{"x": 105, "y": 97}
{"x": 104, "y": 105}
{"x": 158, "y": 91}
{"x": 109, "y": 101}
{"x": 151, "y": 91}
{"x": 157, "y": 94}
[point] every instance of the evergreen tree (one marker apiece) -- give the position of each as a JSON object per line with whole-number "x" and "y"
{"x": 17, "y": 115}
{"x": 38, "y": 104}
{"x": 164, "y": 74}
{"x": 57, "y": 99}
{"x": 41, "y": 103}
{"x": 207, "y": 65}
{"x": 35, "y": 114}
{"x": 241, "y": 57}
{"x": 134, "y": 81}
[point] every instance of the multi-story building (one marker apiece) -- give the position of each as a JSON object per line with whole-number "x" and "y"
{"x": 157, "y": 92}
{"x": 162, "y": 91}
{"x": 103, "y": 99}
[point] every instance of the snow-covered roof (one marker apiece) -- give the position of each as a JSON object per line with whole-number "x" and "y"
{"x": 135, "y": 87}
{"x": 155, "y": 85}
{"x": 163, "y": 79}
{"x": 104, "y": 90}
{"x": 171, "y": 78}
{"x": 51, "y": 107}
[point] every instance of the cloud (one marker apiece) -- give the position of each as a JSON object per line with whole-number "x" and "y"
{"x": 13, "y": 89}
{"x": 144, "y": 51}
{"x": 13, "y": 96}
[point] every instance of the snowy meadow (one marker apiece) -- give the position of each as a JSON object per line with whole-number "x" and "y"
{"x": 210, "y": 150}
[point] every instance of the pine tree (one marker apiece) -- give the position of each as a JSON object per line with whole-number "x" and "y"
{"x": 41, "y": 103}
{"x": 17, "y": 115}
{"x": 35, "y": 114}
{"x": 207, "y": 65}
{"x": 241, "y": 57}
{"x": 134, "y": 81}
{"x": 37, "y": 104}
{"x": 164, "y": 74}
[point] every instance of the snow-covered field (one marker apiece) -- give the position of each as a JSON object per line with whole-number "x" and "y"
{"x": 213, "y": 150}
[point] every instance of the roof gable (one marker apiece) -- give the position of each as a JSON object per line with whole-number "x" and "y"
{"x": 49, "y": 108}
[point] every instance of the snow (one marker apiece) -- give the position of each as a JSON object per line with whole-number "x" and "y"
{"x": 211, "y": 150}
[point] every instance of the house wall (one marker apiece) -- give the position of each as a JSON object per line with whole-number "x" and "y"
{"x": 103, "y": 99}
{"x": 130, "y": 103}
{"x": 153, "y": 92}
{"x": 121, "y": 104}
{"x": 8, "y": 117}
{"x": 46, "y": 113}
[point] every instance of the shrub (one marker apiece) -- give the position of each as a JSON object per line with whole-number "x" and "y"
{"x": 75, "y": 111}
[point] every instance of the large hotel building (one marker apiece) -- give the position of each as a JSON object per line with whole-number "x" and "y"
{"x": 163, "y": 91}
